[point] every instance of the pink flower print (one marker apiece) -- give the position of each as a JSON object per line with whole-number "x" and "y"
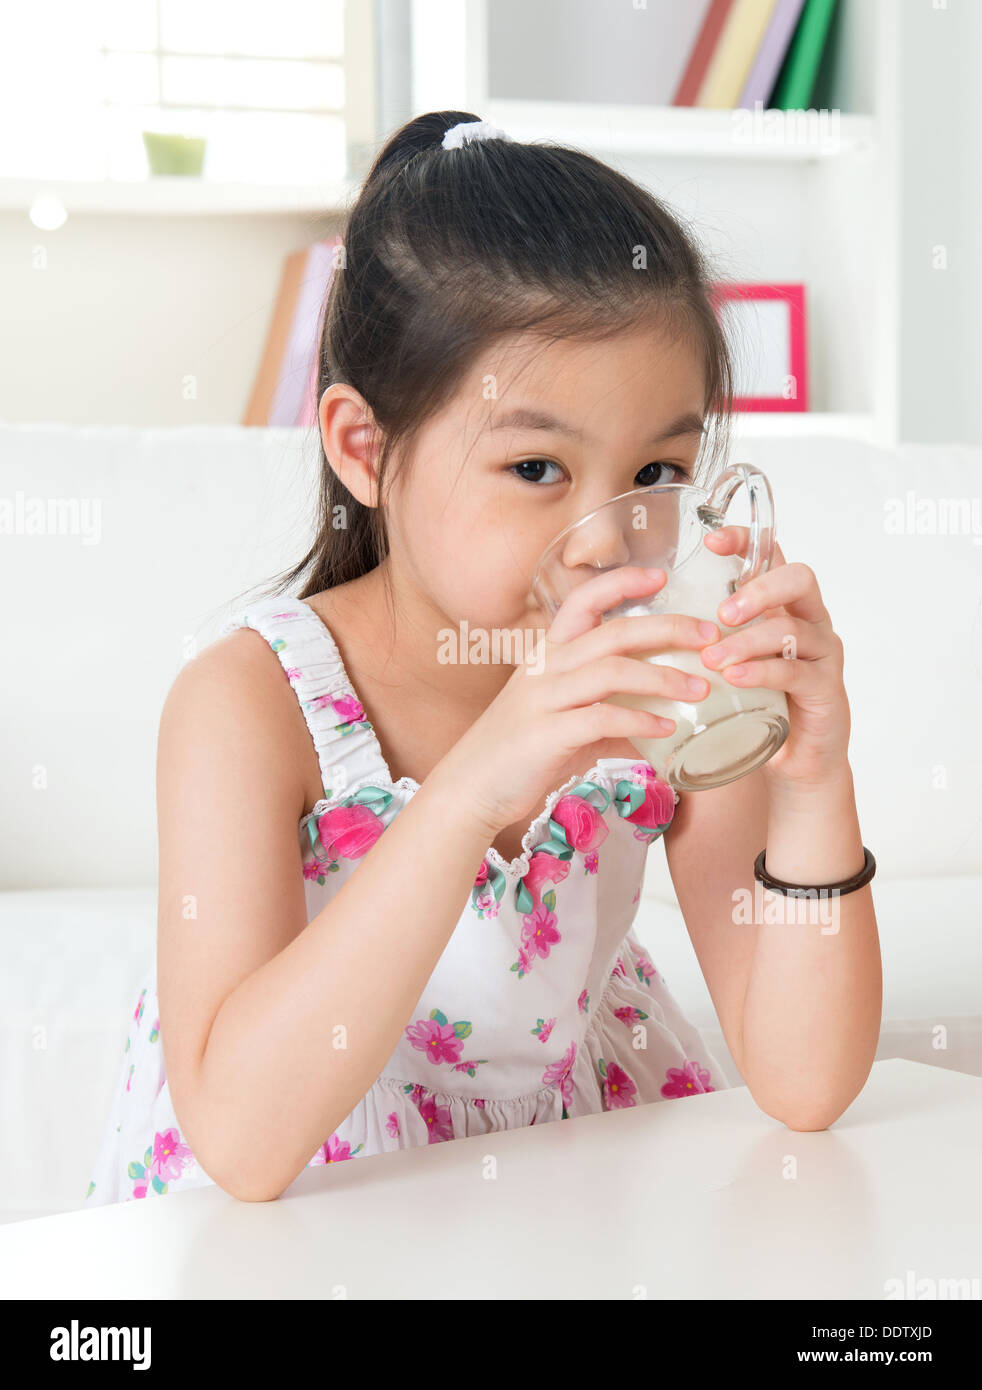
{"x": 482, "y": 874}
{"x": 415, "y": 1092}
{"x": 561, "y": 1073}
{"x": 688, "y": 1080}
{"x": 644, "y": 970}
{"x": 138, "y": 1011}
{"x": 543, "y": 1028}
{"x": 348, "y": 832}
{"x": 469, "y": 1067}
{"x": 293, "y": 674}
{"x": 129, "y": 1077}
{"x": 583, "y": 1003}
{"x": 525, "y": 957}
{"x": 480, "y": 1105}
{"x": 335, "y": 1150}
{"x": 585, "y": 827}
{"x": 619, "y": 968}
{"x": 619, "y": 1089}
{"x": 487, "y": 904}
{"x": 170, "y": 1155}
{"x": 643, "y": 772}
{"x": 628, "y": 1014}
{"x": 285, "y": 615}
{"x": 544, "y": 868}
{"x": 319, "y": 702}
{"x": 392, "y": 1125}
{"x": 438, "y": 1040}
{"x": 591, "y": 861}
{"x": 437, "y": 1119}
{"x": 348, "y": 708}
{"x": 539, "y": 931}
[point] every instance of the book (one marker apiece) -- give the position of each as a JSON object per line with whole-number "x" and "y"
{"x": 676, "y": 28}
{"x": 797, "y": 76}
{"x": 771, "y": 54}
{"x": 687, "y": 91}
{"x": 285, "y": 383}
{"x": 733, "y": 57}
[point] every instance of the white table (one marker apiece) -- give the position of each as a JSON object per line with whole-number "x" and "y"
{"x": 662, "y": 1201}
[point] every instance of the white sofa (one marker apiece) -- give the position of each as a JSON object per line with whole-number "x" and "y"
{"x": 97, "y": 624}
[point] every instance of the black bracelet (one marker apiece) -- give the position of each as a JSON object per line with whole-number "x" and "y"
{"x": 795, "y": 890}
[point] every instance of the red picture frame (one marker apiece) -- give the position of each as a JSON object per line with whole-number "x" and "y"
{"x": 788, "y": 337}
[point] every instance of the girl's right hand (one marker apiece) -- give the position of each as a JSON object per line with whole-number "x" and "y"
{"x": 515, "y": 752}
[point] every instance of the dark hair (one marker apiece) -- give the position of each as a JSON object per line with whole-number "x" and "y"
{"x": 446, "y": 250}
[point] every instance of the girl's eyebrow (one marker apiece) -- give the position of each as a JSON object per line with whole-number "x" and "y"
{"x": 524, "y": 417}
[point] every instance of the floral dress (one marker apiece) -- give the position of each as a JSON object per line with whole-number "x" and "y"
{"x": 542, "y": 1006}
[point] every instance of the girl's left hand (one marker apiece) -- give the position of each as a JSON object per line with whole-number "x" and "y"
{"x": 793, "y": 649}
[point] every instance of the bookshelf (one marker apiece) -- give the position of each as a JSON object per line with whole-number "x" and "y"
{"x": 894, "y": 349}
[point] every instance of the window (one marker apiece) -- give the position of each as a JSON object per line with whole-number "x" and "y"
{"x": 80, "y": 80}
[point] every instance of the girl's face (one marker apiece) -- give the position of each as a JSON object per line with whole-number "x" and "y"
{"x": 537, "y": 436}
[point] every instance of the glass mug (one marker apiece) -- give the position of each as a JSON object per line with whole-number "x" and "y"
{"x": 733, "y": 730}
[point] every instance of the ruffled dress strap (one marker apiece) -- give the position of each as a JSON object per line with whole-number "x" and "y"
{"x": 348, "y": 752}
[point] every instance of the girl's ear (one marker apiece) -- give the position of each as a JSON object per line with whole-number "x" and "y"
{"x": 351, "y": 441}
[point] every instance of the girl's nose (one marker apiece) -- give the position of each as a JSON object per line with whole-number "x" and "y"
{"x": 598, "y": 542}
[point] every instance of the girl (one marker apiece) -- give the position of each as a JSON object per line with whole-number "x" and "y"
{"x": 517, "y": 332}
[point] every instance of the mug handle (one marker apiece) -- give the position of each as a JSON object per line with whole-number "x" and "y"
{"x": 712, "y": 514}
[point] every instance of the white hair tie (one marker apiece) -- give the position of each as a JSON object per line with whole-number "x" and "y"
{"x": 466, "y": 131}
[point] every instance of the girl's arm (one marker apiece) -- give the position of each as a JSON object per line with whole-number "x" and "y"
{"x": 273, "y": 1029}
{"x": 799, "y": 1005}
{"x": 799, "y": 1000}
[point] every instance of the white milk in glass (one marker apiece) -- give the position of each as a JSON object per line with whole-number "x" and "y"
{"x": 733, "y": 723}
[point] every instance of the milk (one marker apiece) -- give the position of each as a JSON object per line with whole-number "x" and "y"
{"x": 733, "y": 729}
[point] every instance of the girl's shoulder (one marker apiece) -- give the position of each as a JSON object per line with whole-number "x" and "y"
{"x": 333, "y": 740}
{"x": 231, "y": 699}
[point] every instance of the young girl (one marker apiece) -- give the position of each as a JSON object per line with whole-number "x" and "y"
{"x": 363, "y": 942}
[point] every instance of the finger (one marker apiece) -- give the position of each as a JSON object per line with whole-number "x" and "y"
{"x": 735, "y": 540}
{"x": 603, "y": 721}
{"x": 793, "y": 587}
{"x": 803, "y": 679}
{"x": 582, "y": 609}
{"x": 640, "y": 633}
{"x": 728, "y": 540}
{"x": 626, "y": 675}
{"x": 800, "y": 640}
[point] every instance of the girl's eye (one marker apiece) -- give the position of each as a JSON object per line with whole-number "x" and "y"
{"x": 653, "y": 482}
{"x": 535, "y": 466}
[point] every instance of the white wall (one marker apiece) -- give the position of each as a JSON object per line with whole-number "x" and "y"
{"x": 126, "y": 307}
{"x": 940, "y": 364}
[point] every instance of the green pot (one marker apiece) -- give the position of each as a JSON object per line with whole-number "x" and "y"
{"x": 174, "y": 154}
